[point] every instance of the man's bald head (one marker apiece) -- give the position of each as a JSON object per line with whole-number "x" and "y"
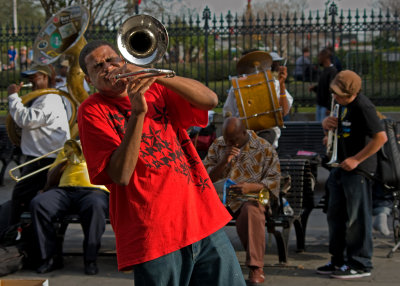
{"x": 234, "y": 132}
{"x": 233, "y": 125}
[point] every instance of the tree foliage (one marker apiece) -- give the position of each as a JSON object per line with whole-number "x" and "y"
{"x": 108, "y": 11}
{"x": 26, "y": 11}
{"x": 157, "y": 8}
{"x": 273, "y": 9}
{"x": 392, "y": 5}
{"x": 277, "y": 7}
{"x": 101, "y": 11}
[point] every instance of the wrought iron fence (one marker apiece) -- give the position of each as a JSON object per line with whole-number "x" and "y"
{"x": 206, "y": 47}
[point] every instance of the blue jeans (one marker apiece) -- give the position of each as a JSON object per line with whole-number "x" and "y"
{"x": 382, "y": 200}
{"x": 320, "y": 113}
{"x": 210, "y": 261}
{"x": 350, "y": 219}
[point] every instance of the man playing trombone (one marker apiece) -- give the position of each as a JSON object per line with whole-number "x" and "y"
{"x": 68, "y": 190}
{"x": 164, "y": 210}
{"x": 44, "y": 128}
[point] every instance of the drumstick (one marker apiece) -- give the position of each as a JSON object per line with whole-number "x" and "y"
{"x": 284, "y": 63}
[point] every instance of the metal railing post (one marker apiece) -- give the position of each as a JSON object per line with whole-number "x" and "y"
{"x": 206, "y": 18}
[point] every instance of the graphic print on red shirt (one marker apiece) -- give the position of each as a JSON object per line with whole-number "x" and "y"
{"x": 170, "y": 201}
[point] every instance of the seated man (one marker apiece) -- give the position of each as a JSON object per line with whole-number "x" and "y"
{"x": 253, "y": 164}
{"x": 68, "y": 190}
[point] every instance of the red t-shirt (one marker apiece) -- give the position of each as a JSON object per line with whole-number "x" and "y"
{"x": 170, "y": 201}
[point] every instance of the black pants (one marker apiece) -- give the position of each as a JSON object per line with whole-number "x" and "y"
{"x": 89, "y": 203}
{"x": 25, "y": 190}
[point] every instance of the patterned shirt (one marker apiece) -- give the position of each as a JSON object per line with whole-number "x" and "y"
{"x": 257, "y": 162}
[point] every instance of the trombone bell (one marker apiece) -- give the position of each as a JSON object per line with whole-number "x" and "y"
{"x": 142, "y": 40}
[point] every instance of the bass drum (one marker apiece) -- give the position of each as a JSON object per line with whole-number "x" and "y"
{"x": 257, "y": 100}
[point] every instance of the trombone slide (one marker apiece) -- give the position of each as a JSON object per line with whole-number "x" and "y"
{"x": 148, "y": 72}
{"x": 71, "y": 143}
{"x": 17, "y": 179}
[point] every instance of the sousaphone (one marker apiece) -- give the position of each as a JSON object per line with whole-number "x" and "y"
{"x": 62, "y": 35}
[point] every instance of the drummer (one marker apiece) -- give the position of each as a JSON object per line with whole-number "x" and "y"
{"x": 279, "y": 73}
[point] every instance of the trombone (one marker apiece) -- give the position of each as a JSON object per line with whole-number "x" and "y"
{"x": 143, "y": 40}
{"x": 17, "y": 179}
{"x": 149, "y": 72}
{"x": 73, "y": 154}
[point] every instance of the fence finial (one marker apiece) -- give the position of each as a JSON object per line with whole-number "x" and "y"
{"x": 333, "y": 10}
{"x": 206, "y": 16}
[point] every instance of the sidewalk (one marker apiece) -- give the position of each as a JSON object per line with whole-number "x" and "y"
{"x": 300, "y": 270}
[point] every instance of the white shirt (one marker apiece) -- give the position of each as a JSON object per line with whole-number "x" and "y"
{"x": 44, "y": 125}
{"x": 230, "y": 105}
{"x": 62, "y": 85}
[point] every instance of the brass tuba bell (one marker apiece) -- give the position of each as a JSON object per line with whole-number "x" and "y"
{"x": 143, "y": 40}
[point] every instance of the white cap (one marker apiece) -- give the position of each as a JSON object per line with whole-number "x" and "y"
{"x": 275, "y": 57}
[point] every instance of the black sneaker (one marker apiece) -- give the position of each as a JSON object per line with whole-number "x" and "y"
{"x": 327, "y": 269}
{"x": 50, "y": 264}
{"x": 91, "y": 268}
{"x": 345, "y": 272}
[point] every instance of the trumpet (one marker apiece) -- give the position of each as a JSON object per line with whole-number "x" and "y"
{"x": 29, "y": 84}
{"x": 262, "y": 197}
{"x": 143, "y": 40}
{"x": 332, "y": 145}
{"x": 234, "y": 199}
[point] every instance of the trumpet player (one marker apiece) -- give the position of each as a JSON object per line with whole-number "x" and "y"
{"x": 44, "y": 127}
{"x": 349, "y": 214}
{"x": 165, "y": 213}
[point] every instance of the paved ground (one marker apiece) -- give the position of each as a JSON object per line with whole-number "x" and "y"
{"x": 299, "y": 271}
